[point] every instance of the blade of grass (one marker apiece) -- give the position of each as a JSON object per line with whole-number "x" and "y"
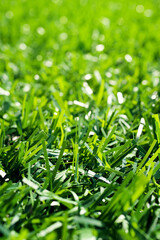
{"x": 147, "y": 155}
{"x": 48, "y": 179}
{"x": 58, "y": 161}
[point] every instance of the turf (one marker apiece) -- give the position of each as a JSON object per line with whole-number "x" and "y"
{"x": 79, "y": 119}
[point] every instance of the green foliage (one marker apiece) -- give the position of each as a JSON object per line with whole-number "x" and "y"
{"x": 79, "y": 119}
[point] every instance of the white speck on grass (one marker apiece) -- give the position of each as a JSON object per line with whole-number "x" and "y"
{"x": 87, "y": 88}
{"x": 15, "y": 219}
{"x": 103, "y": 56}
{"x": 128, "y": 58}
{"x": 77, "y": 118}
{"x": 41, "y": 30}
{"x": 48, "y": 63}
{"x": 108, "y": 74}
{"x": 27, "y": 87}
{"x": 120, "y": 97}
{"x": 116, "y": 71}
{"x": 148, "y": 205}
{"x": 140, "y": 8}
{"x": 54, "y": 203}
{"x": 30, "y": 183}
{"x": 90, "y": 58}
{"x": 135, "y": 89}
{"x": 5, "y": 116}
{"x": 91, "y": 133}
{"x": 105, "y": 21}
{"x": 153, "y": 198}
{"x": 5, "y": 77}
{"x": 125, "y": 226}
{"x": 22, "y": 46}
{"x": 109, "y": 100}
{"x": 156, "y": 82}
{"x": 140, "y": 128}
{"x": 87, "y": 116}
{"x": 120, "y": 219}
{"x": 88, "y": 76}
{"x": 50, "y": 229}
{"x": 95, "y": 34}
{"x": 100, "y": 48}
{"x": 63, "y": 36}
{"x": 124, "y": 116}
{"x": 13, "y": 67}
{"x": 112, "y": 82}
{"x": 70, "y": 103}
{"x": 9, "y": 14}
{"x": 36, "y": 77}
{"x": 4, "y": 92}
{"x": 83, "y": 211}
{"x": 39, "y": 58}
{"x": 144, "y": 82}
{"x": 156, "y": 73}
{"x": 68, "y": 54}
{"x": 154, "y": 96}
{"x": 2, "y": 173}
{"x": 148, "y": 13}
{"x": 85, "y": 105}
{"x": 56, "y": 46}
{"x": 17, "y": 104}
{"x": 97, "y": 76}
{"x": 26, "y": 28}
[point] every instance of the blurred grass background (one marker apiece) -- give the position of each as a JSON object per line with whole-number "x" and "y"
{"x": 79, "y": 84}
{"x": 54, "y": 44}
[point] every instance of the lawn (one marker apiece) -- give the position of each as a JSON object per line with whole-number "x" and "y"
{"x": 79, "y": 120}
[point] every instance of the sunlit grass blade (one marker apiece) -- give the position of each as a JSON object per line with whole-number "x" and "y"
{"x": 57, "y": 165}
{"x": 147, "y": 155}
{"x": 48, "y": 179}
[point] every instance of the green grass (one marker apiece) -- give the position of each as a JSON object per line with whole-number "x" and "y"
{"x": 79, "y": 119}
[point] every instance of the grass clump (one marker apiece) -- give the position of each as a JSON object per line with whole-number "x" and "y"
{"x": 79, "y": 119}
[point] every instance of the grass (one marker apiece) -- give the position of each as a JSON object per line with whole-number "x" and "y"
{"x": 79, "y": 119}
